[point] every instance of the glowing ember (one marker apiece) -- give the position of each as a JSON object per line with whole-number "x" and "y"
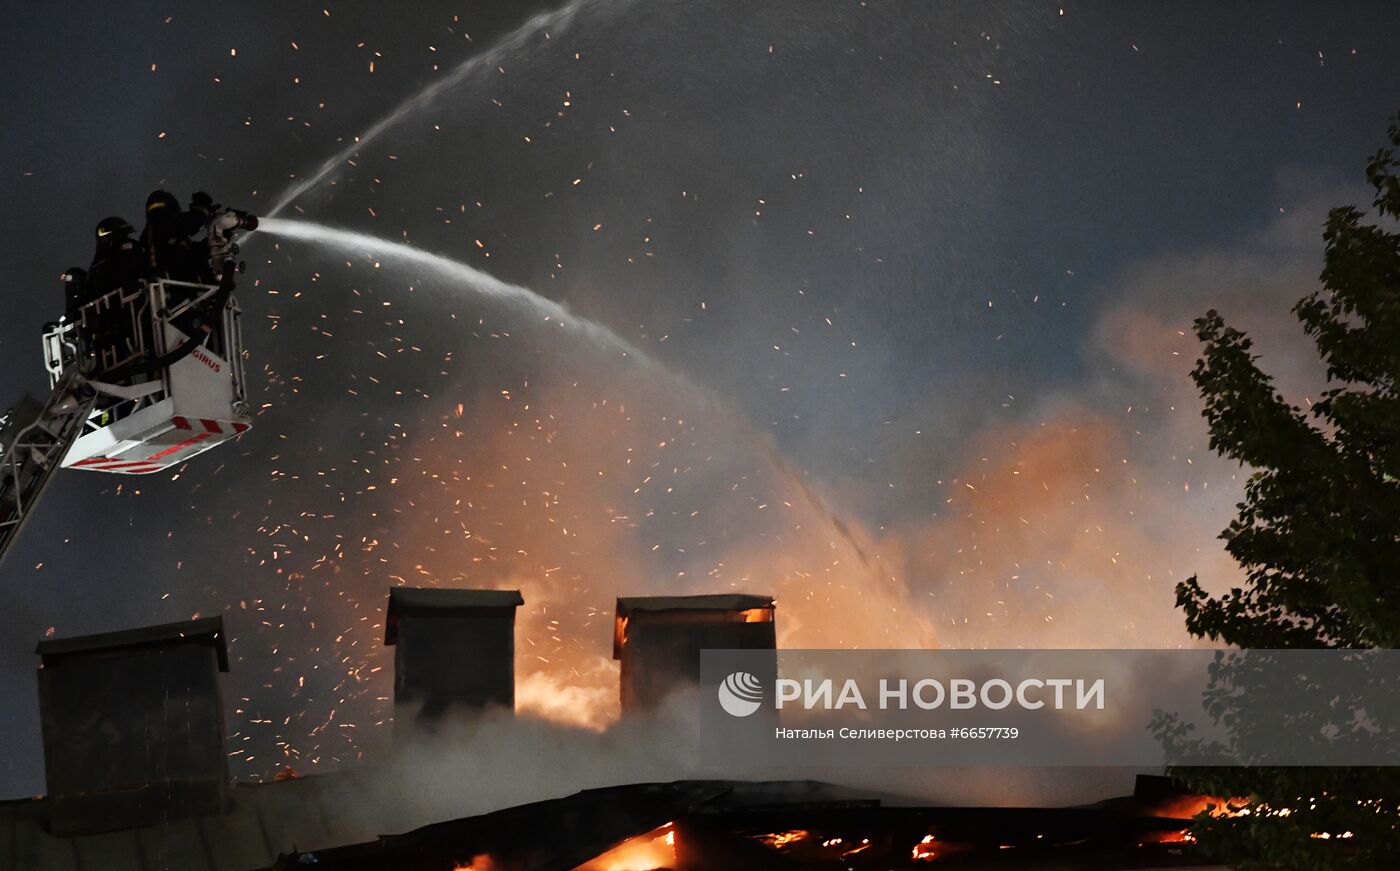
{"x": 802, "y": 845}
{"x": 859, "y": 848}
{"x": 779, "y": 840}
{"x": 1179, "y": 836}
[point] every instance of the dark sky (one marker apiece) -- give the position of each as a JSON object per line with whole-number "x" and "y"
{"x": 940, "y": 252}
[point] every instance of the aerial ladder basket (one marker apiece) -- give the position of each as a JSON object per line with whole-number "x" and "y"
{"x": 142, "y": 379}
{"x": 173, "y": 383}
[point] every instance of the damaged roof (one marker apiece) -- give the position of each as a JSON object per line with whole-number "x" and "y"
{"x": 758, "y": 826}
{"x": 629, "y": 605}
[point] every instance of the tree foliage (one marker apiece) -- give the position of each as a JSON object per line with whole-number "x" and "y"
{"x": 1318, "y": 532}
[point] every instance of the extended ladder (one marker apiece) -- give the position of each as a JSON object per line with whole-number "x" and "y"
{"x": 34, "y": 439}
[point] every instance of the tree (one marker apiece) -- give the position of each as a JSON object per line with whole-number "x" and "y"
{"x": 1318, "y": 533}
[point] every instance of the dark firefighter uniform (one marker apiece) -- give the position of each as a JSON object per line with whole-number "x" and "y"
{"x": 166, "y": 240}
{"x": 196, "y": 221}
{"x": 116, "y": 264}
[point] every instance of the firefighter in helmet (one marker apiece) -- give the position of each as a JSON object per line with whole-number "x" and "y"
{"x": 116, "y": 264}
{"x": 200, "y": 211}
{"x": 166, "y": 241}
{"x": 117, "y": 261}
{"x": 196, "y": 221}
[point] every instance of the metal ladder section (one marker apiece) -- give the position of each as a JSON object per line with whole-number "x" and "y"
{"x": 34, "y": 439}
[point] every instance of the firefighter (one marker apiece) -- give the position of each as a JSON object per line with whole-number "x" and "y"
{"x": 116, "y": 262}
{"x": 195, "y": 221}
{"x": 166, "y": 240}
{"x": 200, "y": 211}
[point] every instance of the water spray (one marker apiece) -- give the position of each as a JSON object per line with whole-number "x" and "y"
{"x": 550, "y": 22}
{"x": 461, "y": 275}
{"x": 492, "y": 288}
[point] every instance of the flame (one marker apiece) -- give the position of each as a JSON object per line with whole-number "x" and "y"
{"x": 794, "y": 840}
{"x": 779, "y": 840}
{"x": 1179, "y": 836}
{"x": 860, "y": 848}
{"x": 931, "y": 849}
{"x": 1184, "y": 808}
{"x": 1187, "y": 806}
{"x": 926, "y": 850}
{"x": 477, "y": 863}
{"x": 653, "y": 850}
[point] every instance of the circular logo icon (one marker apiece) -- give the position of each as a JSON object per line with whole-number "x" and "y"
{"x": 740, "y": 694}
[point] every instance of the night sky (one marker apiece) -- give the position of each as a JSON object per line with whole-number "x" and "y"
{"x": 916, "y": 280}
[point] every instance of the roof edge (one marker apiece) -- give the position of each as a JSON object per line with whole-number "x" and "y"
{"x": 203, "y": 630}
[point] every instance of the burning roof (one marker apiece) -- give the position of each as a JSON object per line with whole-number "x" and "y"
{"x": 720, "y": 602}
{"x": 757, "y": 826}
{"x": 756, "y": 609}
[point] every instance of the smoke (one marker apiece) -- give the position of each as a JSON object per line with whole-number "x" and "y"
{"x": 1072, "y": 526}
{"x": 579, "y": 477}
{"x": 469, "y": 765}
{"x": 752, "y": 522}
{"x": 613, "y": 500}
{"x": 421, "y": 431}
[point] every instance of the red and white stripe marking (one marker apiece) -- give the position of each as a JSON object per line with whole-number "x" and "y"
{"x": 209, "y": 426}
{"x": 153, "y": 462}
{"x": 107, "y": 464}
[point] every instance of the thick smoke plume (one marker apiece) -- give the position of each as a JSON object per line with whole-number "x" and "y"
{"x": 583, "y": 480}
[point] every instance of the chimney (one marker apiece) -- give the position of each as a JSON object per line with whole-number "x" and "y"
{"x": 453, "y": 648}
{"x": 659, "y": 639}
{"x": 134, "y": 726}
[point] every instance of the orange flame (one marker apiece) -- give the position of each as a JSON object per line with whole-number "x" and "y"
{"x": 653, "y": 850}
{"x": 1187, "y": 806}
{"x": 926, "y": 850}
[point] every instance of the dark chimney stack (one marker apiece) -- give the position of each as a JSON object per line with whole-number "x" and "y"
{"x": 659, "y": 639}
{"x": 454, "y": 648}
{"x": 134, "y": 726}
